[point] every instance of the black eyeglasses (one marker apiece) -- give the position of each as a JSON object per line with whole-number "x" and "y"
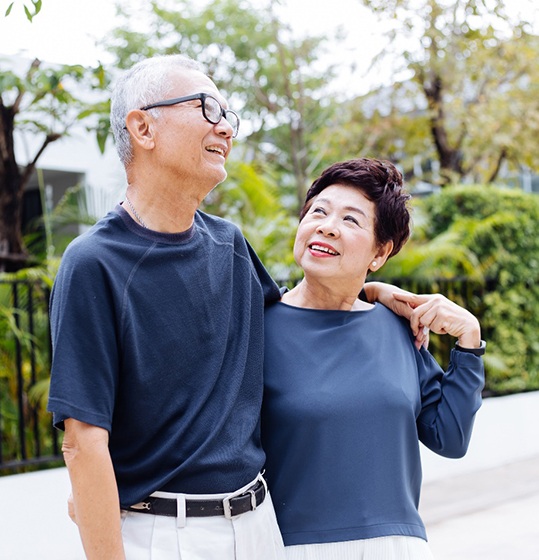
{"x": 211, "y": 109}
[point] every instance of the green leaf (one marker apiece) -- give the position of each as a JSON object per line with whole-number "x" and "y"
{"x": 28, "y": 14}
{"x": 101, "y": 137}
{"x": 8, "y": 11}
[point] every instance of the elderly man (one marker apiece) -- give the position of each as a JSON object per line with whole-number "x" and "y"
{"x": 157, "y": 327}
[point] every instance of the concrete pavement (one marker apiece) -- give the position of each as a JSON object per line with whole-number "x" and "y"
{"x": 484, "y": 506}
{"x": 485, "y": 515}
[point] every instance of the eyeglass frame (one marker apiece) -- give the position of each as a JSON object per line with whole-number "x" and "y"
{"x": 202, "y": 97}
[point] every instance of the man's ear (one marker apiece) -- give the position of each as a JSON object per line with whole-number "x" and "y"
{"x": 140, "y": 126}
{"x": 381, "y": 256}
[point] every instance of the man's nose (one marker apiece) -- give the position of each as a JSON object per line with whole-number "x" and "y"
{"x": 224, "y": 128}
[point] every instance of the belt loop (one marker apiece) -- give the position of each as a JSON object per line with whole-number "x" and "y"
{"x": 263, "y": 480}
{"x": 181, "y": 511}
{"x": 253, "y": 499}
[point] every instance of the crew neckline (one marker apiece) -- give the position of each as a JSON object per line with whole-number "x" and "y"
{"x": 150, "y": 234}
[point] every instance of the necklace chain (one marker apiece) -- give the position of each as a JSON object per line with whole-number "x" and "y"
{"x": 135, "y": 213}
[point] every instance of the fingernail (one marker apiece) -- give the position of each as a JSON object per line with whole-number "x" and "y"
{"x": 425, "y": 331}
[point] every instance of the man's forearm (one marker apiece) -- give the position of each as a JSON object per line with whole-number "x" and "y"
{"x": 95, "y": 493}
{"x": 383, "y": 293}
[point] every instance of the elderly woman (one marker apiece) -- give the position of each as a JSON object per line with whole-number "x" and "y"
{"x": 348, "y": 396}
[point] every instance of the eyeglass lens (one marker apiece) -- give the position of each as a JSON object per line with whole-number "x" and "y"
{"x": 214, "y": 113}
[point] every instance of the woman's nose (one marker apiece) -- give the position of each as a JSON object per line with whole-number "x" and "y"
{"x": 327, "y": 229}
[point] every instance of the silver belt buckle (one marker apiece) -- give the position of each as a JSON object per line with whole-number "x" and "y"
{"x": 226, "y": 507}
{"x": 226, "y": 501}
{"x": 142, "y": 506}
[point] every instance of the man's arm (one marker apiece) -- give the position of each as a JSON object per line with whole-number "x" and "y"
{"x": 95, "y": 492}
{"x": 385, "y": 294}
{"x": 379, "y": 291}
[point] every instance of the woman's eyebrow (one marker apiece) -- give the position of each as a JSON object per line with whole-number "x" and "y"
{"x": 358, "y": 210}
{"x": 347, "y": 208}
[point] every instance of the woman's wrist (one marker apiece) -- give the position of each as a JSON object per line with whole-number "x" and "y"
{"x": 476, "y": 350}
{"x": 470, "y": 335}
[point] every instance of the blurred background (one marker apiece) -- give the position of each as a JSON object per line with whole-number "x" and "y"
{"x": 446, "y": 90}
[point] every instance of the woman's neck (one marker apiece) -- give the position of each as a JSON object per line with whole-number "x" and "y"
{"x": 315, "y": 295}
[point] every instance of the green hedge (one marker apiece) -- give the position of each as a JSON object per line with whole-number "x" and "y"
{"x": 490, "y": 237}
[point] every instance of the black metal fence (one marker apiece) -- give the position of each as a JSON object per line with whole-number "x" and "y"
{"x": 27, "y": 438}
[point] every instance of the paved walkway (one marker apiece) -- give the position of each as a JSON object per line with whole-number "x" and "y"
{"x": 485, "y": 515}
{"x": 482, "y": 507}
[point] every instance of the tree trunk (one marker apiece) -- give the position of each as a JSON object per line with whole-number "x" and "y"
{"x": 450, "y": 158}
{"x": 12, "y": 250}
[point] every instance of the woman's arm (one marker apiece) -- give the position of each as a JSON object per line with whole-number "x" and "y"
{"x": 449, "y": 400}
{"x": 441, "y": 316}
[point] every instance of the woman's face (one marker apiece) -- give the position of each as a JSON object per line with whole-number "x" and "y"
{"x": 335, "y": 239}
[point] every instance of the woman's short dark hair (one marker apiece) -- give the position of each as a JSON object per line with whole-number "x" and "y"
{"x": 382, "y": 183}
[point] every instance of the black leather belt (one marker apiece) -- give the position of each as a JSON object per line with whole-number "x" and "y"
{"x": 229, "y": 507}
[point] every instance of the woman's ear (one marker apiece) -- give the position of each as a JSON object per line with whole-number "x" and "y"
{"x": 140, "y": 126}
{"x": 381, "y": 256}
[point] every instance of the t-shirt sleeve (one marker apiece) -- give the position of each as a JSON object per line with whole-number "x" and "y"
{"x": 85, "y": 335}
{"x": 449, "y": 401}
{"x": 269, "y": 287}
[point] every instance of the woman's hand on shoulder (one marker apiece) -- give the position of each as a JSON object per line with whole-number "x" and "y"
{"x": 441, "y": 316}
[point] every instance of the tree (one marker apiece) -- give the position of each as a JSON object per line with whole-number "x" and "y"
{"x": 275, "y": 81}
{"x": 468, "y": 75}
{"x": 43, "y": 102}
{"x": 31, "y": 10}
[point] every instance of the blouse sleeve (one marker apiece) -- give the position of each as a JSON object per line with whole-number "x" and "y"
{"x": 449, "y": 401}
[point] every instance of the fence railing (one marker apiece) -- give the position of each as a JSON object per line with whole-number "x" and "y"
{"x": 27, "y": 438}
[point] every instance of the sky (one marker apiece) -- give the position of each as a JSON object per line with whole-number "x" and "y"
{"x": 66, "y": 31}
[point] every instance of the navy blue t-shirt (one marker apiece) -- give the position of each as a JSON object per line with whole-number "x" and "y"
{"x": 158, "y": 338}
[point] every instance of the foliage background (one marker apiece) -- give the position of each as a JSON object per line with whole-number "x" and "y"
{"x": 487, "y": 237}
{"x": 460, "y": 117}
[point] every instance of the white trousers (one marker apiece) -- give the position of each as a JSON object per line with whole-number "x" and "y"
{"x": 253, "y": 535}
{"x": 382, "y": 548}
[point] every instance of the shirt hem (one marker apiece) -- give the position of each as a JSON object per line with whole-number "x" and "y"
{"x": 353, "y": 534}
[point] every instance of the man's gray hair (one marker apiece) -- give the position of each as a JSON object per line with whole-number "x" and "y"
{"x": 146, "y": 82}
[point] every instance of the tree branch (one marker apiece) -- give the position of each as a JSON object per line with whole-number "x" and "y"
{"x": 28, "y": 170}
{"x": 497, "y": 167}
{"x": 36, "y": 63}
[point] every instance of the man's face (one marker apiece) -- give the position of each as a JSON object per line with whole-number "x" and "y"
{"x": 188, "y": 147}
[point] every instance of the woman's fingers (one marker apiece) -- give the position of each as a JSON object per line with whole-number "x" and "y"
{"x": 439, "y": 314}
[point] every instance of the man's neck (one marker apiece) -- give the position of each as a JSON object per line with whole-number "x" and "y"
{"x": 159, "y": 207}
